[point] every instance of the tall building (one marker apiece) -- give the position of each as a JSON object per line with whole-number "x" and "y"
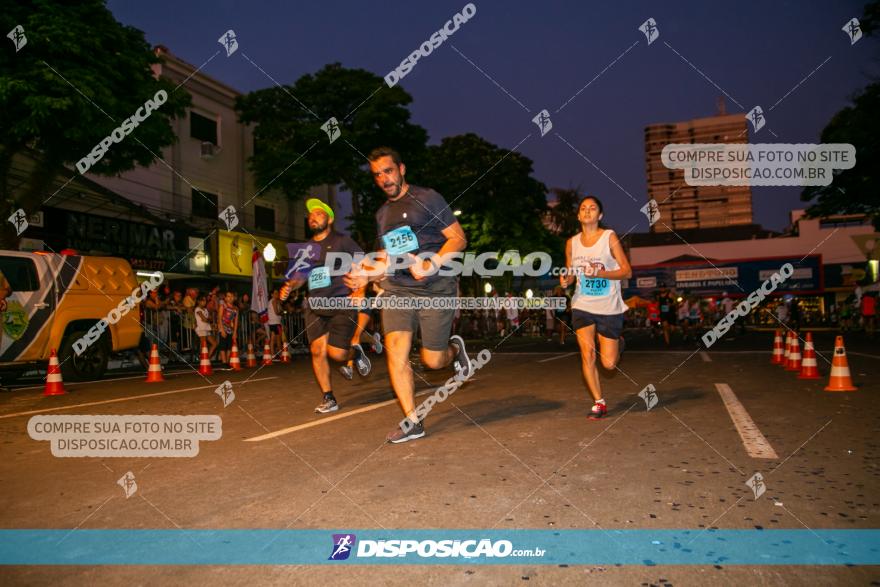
{"x": 687, "y": 207}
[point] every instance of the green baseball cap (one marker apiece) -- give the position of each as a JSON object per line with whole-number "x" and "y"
{"x": 316, "y": 204}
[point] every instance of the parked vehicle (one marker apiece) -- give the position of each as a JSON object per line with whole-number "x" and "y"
{"x": 54, "y": 301}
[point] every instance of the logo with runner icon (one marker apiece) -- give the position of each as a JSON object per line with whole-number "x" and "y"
{"x": 343, "y": 544}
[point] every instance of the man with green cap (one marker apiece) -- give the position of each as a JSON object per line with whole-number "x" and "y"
{"x": 329, "y": 330}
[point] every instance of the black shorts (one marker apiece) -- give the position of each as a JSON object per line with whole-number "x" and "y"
{"x": 224, "y": 343}
{"x": 275, "y": 328}
{"x": 668, "y": 318}
{"x": 607, "y": 325}
{"x": 339, "y": 325}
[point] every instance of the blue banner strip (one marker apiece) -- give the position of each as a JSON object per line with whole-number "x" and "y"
{"x": 505, "y": 547}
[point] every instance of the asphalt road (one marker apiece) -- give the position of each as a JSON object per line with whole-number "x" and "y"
{"x": 511, "y": 449}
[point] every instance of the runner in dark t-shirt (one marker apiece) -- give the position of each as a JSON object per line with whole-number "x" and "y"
{"x": 668, "y": 310}
{"x": 414, "y": 221}
{"x": 425, "y": 214}
{"x": 329, "y": 285}
{"x": 329, "y": 330}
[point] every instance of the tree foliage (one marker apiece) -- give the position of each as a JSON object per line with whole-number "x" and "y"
{"x": 296, "y": 154}
{"x": 854, "y": 191}
{"x": 80, "y": 74}
{"x": 501, "y": 203}
{"x": 563, "y": 214}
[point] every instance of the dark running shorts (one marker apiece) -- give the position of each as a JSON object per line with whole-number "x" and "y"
{"x": 339, "y": 325}
{"x": 434, "y": 325}
{"x": 609, "y": 326}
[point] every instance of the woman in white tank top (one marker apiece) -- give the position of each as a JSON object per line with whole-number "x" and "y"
{"x": 595, "y": 264}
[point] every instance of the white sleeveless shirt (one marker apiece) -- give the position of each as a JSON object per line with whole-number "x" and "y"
{"x": 274, "y": 318}
{"x": 593, "y": 294}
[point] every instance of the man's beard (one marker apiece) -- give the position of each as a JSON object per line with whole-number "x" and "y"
{"x": 318, "y": 228}
{"x": 397, "y": 190}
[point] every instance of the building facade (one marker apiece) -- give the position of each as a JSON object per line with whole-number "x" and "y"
{"x": 831, "y": 257}
{"x": 180, "y": 196}
{"x": 685, "y": 207}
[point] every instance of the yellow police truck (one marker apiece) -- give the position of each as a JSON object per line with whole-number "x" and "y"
{"x": 54, "y": 301}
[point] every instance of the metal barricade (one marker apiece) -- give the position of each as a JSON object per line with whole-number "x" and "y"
{"x": 173, "y": 332}
{"x": 293, "y": 329}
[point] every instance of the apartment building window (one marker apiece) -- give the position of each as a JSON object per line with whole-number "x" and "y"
{"x": 264, "y": 218}
{"x": 204, "y": 204}
{"x": 202, "y": 128}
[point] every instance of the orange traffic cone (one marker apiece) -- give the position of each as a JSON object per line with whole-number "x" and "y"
{"x": 234, "y": 362}
{"x": 204, "y": 361}
{"x": 251, "y": 358}
{"x": 794, "y": 360}
{"x": 840, "y": 379}
{"x": 154, "y": 373}
{"x": 778, "y": 350}
{"x": 809, "y": 368}
{"x": 285, "y": 356}
{"x": 786, "y": 355}
{"x": 267, "y": 354}
{"x": 54, "y": 384}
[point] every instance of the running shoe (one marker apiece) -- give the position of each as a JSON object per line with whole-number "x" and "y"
{"x": 462, "y": 362}
{"x": 377, "y": 343}
{"x": 399, "y": 435}
{"x": 598, "y": 411}
{"x": 327, "y": 406}
{"x": 346, "y": 371}
{"x": 361, "y": 361}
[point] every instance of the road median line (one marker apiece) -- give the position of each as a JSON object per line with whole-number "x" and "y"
{"x": 755, "y": 443}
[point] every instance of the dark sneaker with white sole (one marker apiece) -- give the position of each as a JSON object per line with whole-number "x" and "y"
{"x": 399, "y": 435}
{"x": 346, "y": 371}
{"x": 361, "y": 361}
{"x": 461, "y": 361}
{"x": 327, "y": 406}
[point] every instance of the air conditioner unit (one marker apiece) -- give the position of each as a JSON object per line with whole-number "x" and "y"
{"x": 209, "y": 150}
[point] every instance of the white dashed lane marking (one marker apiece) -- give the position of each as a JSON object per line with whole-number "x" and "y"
{"x": 127, "y": 398}
{"x": 756, "y": 445}
{"x": 558, "y": 357}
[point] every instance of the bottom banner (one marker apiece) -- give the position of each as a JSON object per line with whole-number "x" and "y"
{"x": 439, "y": 547}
